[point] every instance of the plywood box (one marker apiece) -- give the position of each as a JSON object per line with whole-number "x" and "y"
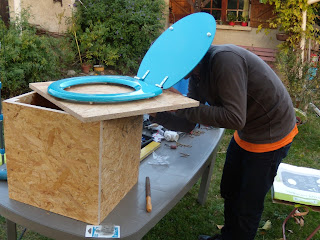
{"x": 77, "y": 160}
{"x": 60, "y": 164}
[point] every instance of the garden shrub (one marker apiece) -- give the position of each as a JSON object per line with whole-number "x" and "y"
{"x": 302, "y": 79}
{"x": 288, "y": 19}
{"x": 129, "y": 27}
{"x": 26, "y": 57}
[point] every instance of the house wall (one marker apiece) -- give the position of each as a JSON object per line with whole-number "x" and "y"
{"x": 245, "y": 36}
{"x": 50, "y": 15}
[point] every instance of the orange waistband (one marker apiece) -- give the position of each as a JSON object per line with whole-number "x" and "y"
{"x": 265, "y": 147}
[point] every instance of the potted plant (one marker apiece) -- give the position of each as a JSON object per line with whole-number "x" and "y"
{"x": 231, "y": 18}
{"x": 104, "y": 56}
{"x": 94, "y": 48}
{"x": 86, "y": 67}
{"x": 85, "y": 49}
{"x": 82, "y": 43}
{"x": 288, "y": 20}
{"x": 98, "y": 68}
{"x": 282, "y": 36}
{"x": 243, "y": 20}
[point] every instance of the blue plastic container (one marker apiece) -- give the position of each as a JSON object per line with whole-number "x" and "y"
{"x": 182, "y": 86}
{"x": 3, "y": 174}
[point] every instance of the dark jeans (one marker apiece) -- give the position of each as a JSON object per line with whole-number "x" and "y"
{"x": 247, "y": 178}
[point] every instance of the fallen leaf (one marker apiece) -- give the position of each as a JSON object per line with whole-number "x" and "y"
{"x": 220, "y": 226}
{"x": 300, "y": 214}
{"x": 267, "y": 225}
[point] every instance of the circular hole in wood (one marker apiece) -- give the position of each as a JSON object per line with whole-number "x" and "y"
{"x": 100, "y": 88}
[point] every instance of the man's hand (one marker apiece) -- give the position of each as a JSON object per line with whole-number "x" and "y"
{"x": 172, "y": 89}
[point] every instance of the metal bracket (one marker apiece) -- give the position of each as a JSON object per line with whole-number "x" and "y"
{"x": 143, "y": 77}
{"x": 163, "y": 81}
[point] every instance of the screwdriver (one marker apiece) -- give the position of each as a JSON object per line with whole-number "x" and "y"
{"x": 148, "y": 195}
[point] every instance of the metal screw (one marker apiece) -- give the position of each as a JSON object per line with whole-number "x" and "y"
{"x": 171, "y": 28}
{"x": 209, "y": 34}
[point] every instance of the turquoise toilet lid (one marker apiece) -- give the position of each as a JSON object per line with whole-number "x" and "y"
{"x": 178, "y": 50}
{"x": 170, "y": 58}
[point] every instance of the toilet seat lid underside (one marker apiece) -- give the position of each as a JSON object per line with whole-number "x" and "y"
{"x": 178, "y": 50}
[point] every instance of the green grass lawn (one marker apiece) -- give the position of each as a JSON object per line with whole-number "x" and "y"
{"x": 188, "y": 219}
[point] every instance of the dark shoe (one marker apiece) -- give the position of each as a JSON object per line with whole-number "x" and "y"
{"x": 206, "y": 237}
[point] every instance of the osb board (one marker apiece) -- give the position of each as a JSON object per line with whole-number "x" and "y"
{"x": 60, "y": 164}
{"x": 118, "y": 175}
{"x": 96, "y": 112}
{"x": 52, "y": 160}
{"x": 36, "y": 100}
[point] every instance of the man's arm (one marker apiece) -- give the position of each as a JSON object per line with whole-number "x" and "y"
{"x": 170, "y": 120}
{"x": 229, "y": 73}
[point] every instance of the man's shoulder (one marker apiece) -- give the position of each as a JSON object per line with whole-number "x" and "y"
{"x": 225, "y": 48}
{"x": 225, "y": 51}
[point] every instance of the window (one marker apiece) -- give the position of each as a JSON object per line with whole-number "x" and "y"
{"x": 221, "y": 8}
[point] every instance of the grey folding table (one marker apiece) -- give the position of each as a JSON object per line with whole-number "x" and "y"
{"x": 170, "y": 180}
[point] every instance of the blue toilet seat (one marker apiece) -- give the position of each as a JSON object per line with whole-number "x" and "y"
{"x": 169, "y": 59}
{"x": 142, "y": 90}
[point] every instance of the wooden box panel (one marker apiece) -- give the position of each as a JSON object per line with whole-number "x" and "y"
{"x": 60, "y": 164}
{"x": 121, "y": 160}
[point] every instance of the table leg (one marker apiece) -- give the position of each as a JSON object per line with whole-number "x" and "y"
{"x": 206, "y": 178}
{"x": 11, "y": 230}
{"x": 287, "y": 218}
{"x": 313, "y": 233}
